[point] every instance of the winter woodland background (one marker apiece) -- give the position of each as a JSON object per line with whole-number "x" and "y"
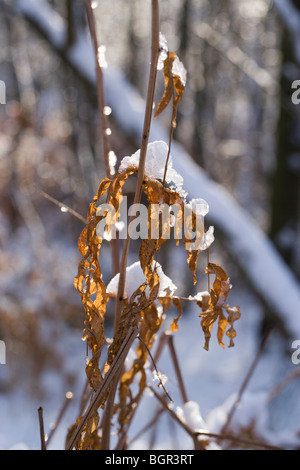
{"x": 237, "y": 146}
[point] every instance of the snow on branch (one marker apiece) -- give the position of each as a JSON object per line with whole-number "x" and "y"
{"x": 270, "y": 277}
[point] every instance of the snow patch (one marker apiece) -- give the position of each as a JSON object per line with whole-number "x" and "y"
{"x": 135, "y": 277}
{"x": 156, "y": 158}
{"x": 190, "y": 414}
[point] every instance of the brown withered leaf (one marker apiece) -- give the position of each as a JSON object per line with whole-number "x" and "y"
{"x": 169, "y": 91}
{"x": 222, "y": 325}
{"x": 178, "y": 304}
{"x": 174, "y": 87}
{"x": 208, "y": 319}
{"x": 212, "y": 308}
{"x": 90, "y": 436}
{"x": 192, "y": 260}
{"x": 91, "y": 287}
{"x": 221, "y": 285}
{"x": 89, "y": 281}
{"x": 157, "y": 193}
{"x": 146, "y": 255}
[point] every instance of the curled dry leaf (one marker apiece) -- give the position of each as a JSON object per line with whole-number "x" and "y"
{"x": 178, "y": 304}
{"x": 174, "y": 85}
{"x": 212, "y": 306}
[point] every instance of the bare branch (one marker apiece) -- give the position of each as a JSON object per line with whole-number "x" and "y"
{"x": 103, "y": 118}
{"x": 42, "y": 430}
{"x": 177, "y": 368}
{"x": 143, "y": 151}
{"x": 156, "y": 369}
{"x": 63, "y": 207}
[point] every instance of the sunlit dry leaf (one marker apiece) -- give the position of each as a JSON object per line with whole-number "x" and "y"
{"x": 169, "y": 85}
{"x": 222, "y": 325}
{"x": 212, "y": 307}
{"x": 178, "y": 304}
{"x": 174, "y": 85}
{"x": 208, "y": 319}
{"x": 192, "y": 262}
{"x": 146, "y": 255}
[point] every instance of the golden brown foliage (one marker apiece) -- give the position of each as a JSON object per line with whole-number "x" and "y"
{"x": 174, "y": 87}
{"x": 141, "y": 310}
{"x": 212, "y": 307}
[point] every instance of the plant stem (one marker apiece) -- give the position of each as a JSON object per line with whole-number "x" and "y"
{"x": 42, "y": 431}
{"x": 143, "y": 151}
{"x": 138, "y": 191}
{"x": 177, "y": 369}
{"x": 103, "y": 119}
{"x": 100, "y": 87}
{"x": 106, "y": 420}
{"x": 156, "y": 369}
{"x": 62, "y": 206}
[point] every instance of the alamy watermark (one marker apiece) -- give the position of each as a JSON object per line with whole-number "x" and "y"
{"x": 155, "y": 222}
{"x": 2, "y": 352}
{"x": 296, "y": 354}
{"x": 296, "y": 93}
{"x": 2, "y": 92}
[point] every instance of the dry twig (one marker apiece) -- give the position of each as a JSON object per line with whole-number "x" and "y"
{"x": 42, "y": 429}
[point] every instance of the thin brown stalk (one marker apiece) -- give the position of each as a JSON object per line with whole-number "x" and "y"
{"x": 62, "y": 206}
{"x": 112, "y": 372}
{"x": 161, "y": 344}
{"x": 177, "y": 369}
{"x": 156, "y": 370}
{"x": 106, "y": 420}
{"x": 246, "y": 381}
{"x": 42, "y": 429}
{"x": 143, "y": 151}
{"x": 114, "y": 243}
{"x": 141, "y": 170}
{"x": 100, "y": 86}
{"x": 208, "y": 275}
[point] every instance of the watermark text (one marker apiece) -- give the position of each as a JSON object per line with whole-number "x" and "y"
{"x": 2, "y": 92}
{"x": 296, "y": 93}
{"x": 155, "y": 222}
{"x": 296, "y": 354}
{"x": 2, "y": 352}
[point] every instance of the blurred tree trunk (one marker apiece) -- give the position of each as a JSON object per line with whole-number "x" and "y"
{"x": 285, "y": 207}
